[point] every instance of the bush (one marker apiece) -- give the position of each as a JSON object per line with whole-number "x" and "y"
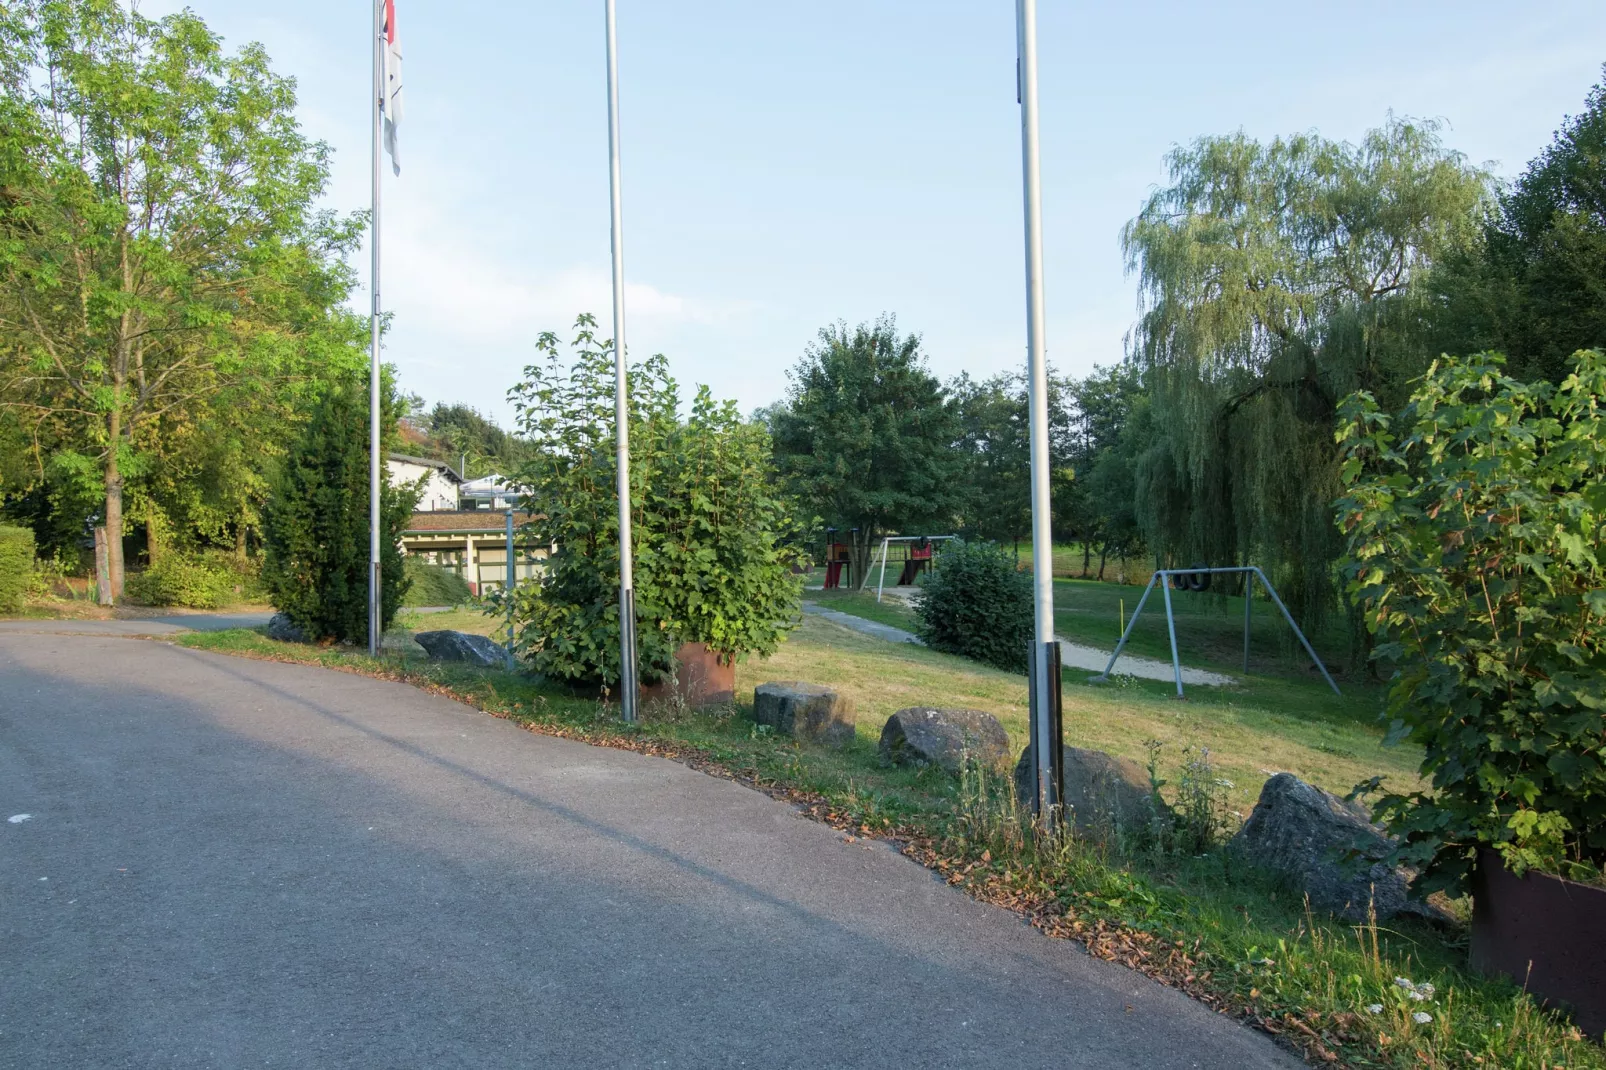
{"x": 16, "y": 567}
{"x": 315, "y": 529}
{"x": 711, "y": 565}
{"x": 978, "y": 604}
{"x": 181, "y": 580}
{"x": 433, "y": 585}
{"x": 1476, "y": 524}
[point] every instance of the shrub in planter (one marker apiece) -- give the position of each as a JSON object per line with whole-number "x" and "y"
{"x": 976, "y": 603}
{"x": 16, "y": 567}
{"x": 1476, "y": 527}
{"x": 711, "y": 562}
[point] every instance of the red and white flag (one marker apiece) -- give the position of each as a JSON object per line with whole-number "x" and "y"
{"x": 390, "y": 102}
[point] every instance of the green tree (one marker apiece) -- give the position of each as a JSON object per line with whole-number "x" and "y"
{"x": 1535, "y": 286}
{"x": 994, "y": 419}
{"x": 865, "y": 437}
{"x": 1476, "y": 520}
{"x": 463, "y": 437}
{"x": 977, "y": 604}
{"x": 711, "y": 561}
{"x": 315, "y": 531}
{"x": 1275, "y": 279}
{"x": 161, "y": 253}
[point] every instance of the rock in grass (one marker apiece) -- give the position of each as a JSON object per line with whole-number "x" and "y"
{"x": 280, "y": 628}
{"x": 805, "y": 711}
{"x": 1105, "y": 795}
{"x": 946, "y": 738}
{"x": 1326, "y": 847}
{"x": 461, "y": 646}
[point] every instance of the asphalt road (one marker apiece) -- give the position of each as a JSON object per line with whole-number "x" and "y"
{"x": 229, "y": 863}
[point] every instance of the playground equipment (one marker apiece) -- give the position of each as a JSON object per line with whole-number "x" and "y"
{"x": 1165, "y": 576}
{"x": 921, "y": 552}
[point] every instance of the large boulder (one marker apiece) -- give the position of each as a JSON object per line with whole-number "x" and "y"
{"x": 461, "y": 646}
{"x": 947, "y": 738}
{"x": 805, "y": 711}
{"x": 280, "y": 628}
{"x": 1326, "y": 847}
{"x": 1105, "y": 795}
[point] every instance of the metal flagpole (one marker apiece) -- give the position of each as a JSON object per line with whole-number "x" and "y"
{"x": 1045, "y": 683}
{"x": 373, "y": 352}
{"x": 627, "y": 593}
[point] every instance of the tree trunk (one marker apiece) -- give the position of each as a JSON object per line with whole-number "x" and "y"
{"x": 1087, "y": 555}
{"x": 239, "y": 541}
{"x": 153, "y": 534}
{"x": 114, "y": 504}
{"x": 1104, "y": 552}
{"x": 861, "y": 551}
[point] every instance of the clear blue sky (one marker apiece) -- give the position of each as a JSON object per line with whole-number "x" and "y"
{"x": 790, "y": 165}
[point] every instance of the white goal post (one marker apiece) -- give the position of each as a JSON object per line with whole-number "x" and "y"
{"x": 888, "y": 541}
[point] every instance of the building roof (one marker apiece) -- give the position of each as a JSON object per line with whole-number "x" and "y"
{"x": 426, "y": 462}
{"x": 471, "y": 521}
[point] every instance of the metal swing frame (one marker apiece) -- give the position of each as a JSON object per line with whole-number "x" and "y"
{"x": 1163, "y": 576}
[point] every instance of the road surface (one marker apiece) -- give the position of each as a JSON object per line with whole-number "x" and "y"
{"x": 213, "y": 862}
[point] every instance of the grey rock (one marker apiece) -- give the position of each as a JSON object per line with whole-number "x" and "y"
{"x": 280, "y": 628}
{"x": 1325, "y": 847}
{"x": 461, "y": 646}
{"x": 805, "y": 711}
{"x": 1104, "y": 794}
{"x": 947, "y": 738}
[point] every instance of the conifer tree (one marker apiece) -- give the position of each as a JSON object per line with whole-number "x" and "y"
{"x": 316, "y": 527}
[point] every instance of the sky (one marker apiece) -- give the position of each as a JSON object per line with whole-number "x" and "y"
{"x": 789, "y": 166}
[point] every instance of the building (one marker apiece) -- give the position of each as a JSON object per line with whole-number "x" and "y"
{"x": 488, "y": 492}
{"x": 440, "y": 483}
{"x": 473, "y": 543}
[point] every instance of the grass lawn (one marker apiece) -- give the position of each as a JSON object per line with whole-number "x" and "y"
{"x": 1202, "y": 924}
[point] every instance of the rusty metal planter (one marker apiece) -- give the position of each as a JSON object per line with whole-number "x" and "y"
{"x": 1545, "y": 933}
{"x": 702, "y": 679}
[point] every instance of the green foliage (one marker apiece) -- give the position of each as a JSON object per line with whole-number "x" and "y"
{"x": 976, "y": 603}
{"x": 170, "y": 290}
{"x": 865, "y": 438}
{"x": 1533, "y": 289}
{"x": 463, "y": 437}
{"x": 994, "y": 422}
{"x": 708, "y": 531}
{"x": 1276, "y": 278}
{"x": 315, "y": 532}
{"x": 1476, "y": 526}
{"x": 433, "y": 585}
{"x": 16, "y": 567}
{"x": 179, "y": 579}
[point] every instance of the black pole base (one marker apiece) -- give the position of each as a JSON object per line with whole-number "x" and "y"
{"x": 1047, "y": 799}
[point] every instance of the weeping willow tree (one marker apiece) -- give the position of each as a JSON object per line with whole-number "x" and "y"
{"x": 1274, "y": 279}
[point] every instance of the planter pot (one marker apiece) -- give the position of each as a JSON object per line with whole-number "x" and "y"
{"x": 1544, "y": 933}
{"x": 703, "y": 678}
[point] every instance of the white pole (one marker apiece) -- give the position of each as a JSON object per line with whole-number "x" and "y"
{"x": 373, "y": 358}
{"x": 882, "y": 584}
{"x": 1042, "y": 534}
{"x": 627, "y": 594}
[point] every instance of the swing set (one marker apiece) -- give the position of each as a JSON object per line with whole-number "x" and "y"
{"x": 1198, "y": 579}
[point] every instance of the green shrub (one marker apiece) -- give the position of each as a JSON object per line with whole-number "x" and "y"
{"x": 976, "y": 603}
{"x": 315, "y": 528}
{"x": 16, "y": 567}
{"x": 433, "y": 585}
{"x": 1476, "y": 524}
{"x": 711, "y": 565}
{"x": 179, "y": 579}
